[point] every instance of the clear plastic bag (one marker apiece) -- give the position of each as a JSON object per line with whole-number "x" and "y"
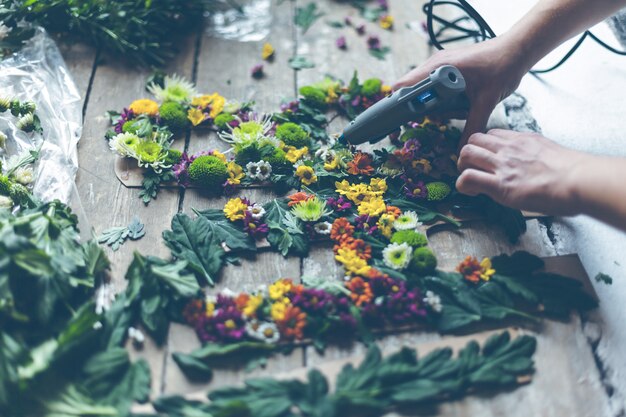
{"x": 38, "y": 73}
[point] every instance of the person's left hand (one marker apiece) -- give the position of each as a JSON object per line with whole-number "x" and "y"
{"x": 521, "y": 170}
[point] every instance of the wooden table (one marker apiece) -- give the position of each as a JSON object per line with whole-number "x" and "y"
{"x": 567, "y": 381}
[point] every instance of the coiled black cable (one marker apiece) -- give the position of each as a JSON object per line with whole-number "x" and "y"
{"x": 482, "y": 31}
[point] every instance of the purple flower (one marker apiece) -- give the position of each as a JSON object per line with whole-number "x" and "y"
{"x": 290, "y": 107}
{"x": 341, "y": 42}
{"x": 373, "y": 42}
{"x": 412, "y": 147}
{"x": 366, "y": 223}
{"x": 383, "y": 4}
{"x": 415, "y": 190}
{"x": 125, "y": 116}
{"x": 254, "y": 227}
{"x": 338, "y": 204}
{"x": 360, "y": 29}
{"x": 356, "y": 101}
{"x": 257, "y": 71}
{"x": 180, "y": 170}
{"x": 312, "y": 300}
{"x": 405, "y": 306}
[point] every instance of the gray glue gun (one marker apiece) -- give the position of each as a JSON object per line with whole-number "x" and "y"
{"x": 443, "y": 92}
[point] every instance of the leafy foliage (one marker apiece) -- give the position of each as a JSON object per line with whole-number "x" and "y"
{"x": 281, "y": 235}
{"x": 306, "y": 16}
{"x": 299, "y": 62}
{"x": 116, "y": 236}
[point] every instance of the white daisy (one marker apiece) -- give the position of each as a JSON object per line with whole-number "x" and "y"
{"x": 434, "y": 301}
{"x": 123, "y": 144}
{"x": 256, "y": 211}
{"x": 136, "y": 335}
{"x": 175, "y": 88}
{"x": 265, "y": 332}
{"x": 397, "y": 255}
{"x": 322, "y": 228}
{"x": 259, "y": 171}
{"x": 407, "y": 221}
{"x": 325, "y": 154}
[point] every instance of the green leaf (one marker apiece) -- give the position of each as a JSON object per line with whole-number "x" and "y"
{"x": 176, "y": 277}
{"x": 195, "y": 242}
{"x": 300, "y": 62}
{"x": 380, "y": 53}
{"x": 136, "y": 229}
{"x": 306, "y": 16}
{"x": 227, "y": 232}
{"x": 114, "y": 237}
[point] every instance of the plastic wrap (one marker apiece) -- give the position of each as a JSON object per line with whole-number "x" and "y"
{"x": 38, "y": 73}
{"x": 250, "y": 21}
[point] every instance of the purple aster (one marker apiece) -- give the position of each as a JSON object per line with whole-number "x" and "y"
{"x": 360, "y": 29}
{"x": 257, "y": 71}
{"x": 229, "y": 324}
{"x": 412, "y": 147}
{"x": 373, "y": 42}
{"x": 180, "y": 170}
{"x": 312, "y": 300}
{"x": 126, "y": 115}
{"x": 356, "y": 101}
{"x": 254, "y": 227}
{"x": 338, "y": 204}
{"x": 405, "y": 306}
{"x": 415, "y": 190}
{"x": 366, "y": 223}
{"x": 341, "y": 42}
{"x": 290, "y": 107}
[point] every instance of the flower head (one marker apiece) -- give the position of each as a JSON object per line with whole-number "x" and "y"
{"x": 252, "y": 131}
{"x": 235, "y": 173}
{"x": 124, "y": 143}
{"x": 386, "y": 22}
{"x": 175, "y": 88}
{"x": 306, "y": 174}
{"x": 268, "y": 51}
{"x": 259, "y": 171}
{"x": 24, "y": 175}
{"x": 374, "y": 207}
{"x": 196, "y": 116}
{"x": 293, "y": 323}
{"x": 397, "y": 255}
{"x": 407, "y": 221}
{"x": 310, "y": 210}
{"x": 360, "y": 291}
{"x": 341, "y": 229}
{"x": 254, "y": 227}
{"x": 322, "y": 228}
{"x": 434, "y": 301}
{"x": 352, "y": 262}
{"x": 235, "y": 209}
{"x": 256, "y": 211}
{"x": 265, "y": 332}
{"x": 341, "y": 42}
{"x": 298, "y": 197}
{"x": 473, "y": 271}
{"x": 257, "y": 71}
{"x": 361, "y": 164}
{"x": 294, "y": 154}
{"x": 144, "y": 106}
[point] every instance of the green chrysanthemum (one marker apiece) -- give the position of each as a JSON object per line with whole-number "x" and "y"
{"x": 424, "y": 260}
{"x": 245, "y": 154}
{"x": 175, "y": 88}
{"x": 208, "y": 171}
{"x": 5, "y": 185}
{"x": 407, "y": 221}
{"x": 371, "y": 87}
{"x": 21, "y": 195}
{"x": 411, "y": 237}
{"x": 313, "y": 95}
{"x": 173, "y": 115}
{"x": 438, "y": 190}
{"x": 173, "y": 157}
{"x": 277, "y": 158}
{"x": 293, "y": 135}
{"x": 310, "y": 210}
{"x": 148, "y": 152}
{"x": 397, "y": 255}
{"x": 221, "y": 120}
{"x": 130, "y": 127}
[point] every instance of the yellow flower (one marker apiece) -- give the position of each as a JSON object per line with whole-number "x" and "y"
{"x": 214, "y": 100}
{"x": 294, "y": 154}
{"x": 209, "y": 309}
{"x": 422, "y": 165}
{"x": 235, "y": 173}
{"x": 278, "y": 311}
{"x": 253, "y": 304}
{"x": 195, "y": 116}
{"x": 306, "y": 174}
{"x": 235, "y": 209}
{"x": 219, "y": 155}
{"x": 331, "y": 96}
{"x": 374, "y": 207}
{"x": 342, "y": 187}
{"x": 487, "y": 270}
{"x": 378, "y": 186}
{"x": 352, "y": 262}
{"x": 332, "y": 165}
{"x": 268, "y": 51}
{"x": 359, "y": 193}
{"x": 385, "y": 89}
{"x": 386, "y": 22}
{"x": 279, "y": 288}
{"x": 385, "y": 224}
{"x": 144, "y": 106}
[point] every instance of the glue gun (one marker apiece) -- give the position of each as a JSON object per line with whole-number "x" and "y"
{"x": 443, "y": 92}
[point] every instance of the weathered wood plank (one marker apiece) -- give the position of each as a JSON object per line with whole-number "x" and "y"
{"x": 80, "y": 60}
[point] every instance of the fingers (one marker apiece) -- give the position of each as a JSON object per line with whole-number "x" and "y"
{"x": 476, "y": 120}
{"x": 475, "y": 157}
{"x": 474, "y": 182}
{"x": 487, "y": 141}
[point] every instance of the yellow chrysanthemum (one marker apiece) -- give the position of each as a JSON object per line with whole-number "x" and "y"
{"x": 422, "y": 165}
{"x": 195, "y": 116}
{"x": 279, "y": 288}
{"x": 278, "y": 310}
{"x": 385, "y": 224}
{"x": 235, "y": 209}
{"x": 487, "y": 270}
{"x": 386, "y": 22}
{"x": 268, "y": 51}
{"x": 331, "y": 96}
{"x": 214, "y": 100}
{"x": 209, "y": 309}
{"x": 332, "y": 165}
{"x": 342, "y": 187}
{"x": 293, "y": 154}
{"x": 219, "y": 155}
{"x": 359, "y": 193}
{"x": 374, "y": 207}
{"x": 378, "y": 186}
{"x": 385, "y": 89}
{"x": 235, "y": 173}
{"x": 352, "y": 262}
{"x": 306, "y": 174}
{"x": 253, "y": 304}
{"x": 145, "y": 106}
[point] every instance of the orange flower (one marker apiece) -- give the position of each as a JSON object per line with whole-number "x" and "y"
{"x": 341, "y": 230}
{"x": 363, "y": 250}
{"x": 241, "y": 301}
{"x": 394, "y": 211}
{"x": 470, "y": 269}
{"x": 292, "y": 326}
{"x": 361, "y": 164}
{"x": 298, "y": 198}
{"x": 360, "y": 291}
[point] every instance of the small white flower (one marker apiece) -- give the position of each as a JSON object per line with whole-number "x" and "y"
{"x": 262, "y": 289}
{"x": 123, "y": 144}
{"x": 3, "y": 140}
{"x": 105, "y": 295}
{"x": 256, "y": 211}
{"x": 136, "y": 335}
{"x": 322, "y": 228}
{"x": 24, "y": 175}
{"x": 397, "y": 255}
{"x": 325, "y": 154}
{"x": 6, "y": 202}
{"x": 227, "y": 292}
{"x": 97, "y": 325}
{"x": 265, "y": 332}
{"x": 4, "y": 31}
{"x": 175, "y": 88}
{"x": 434, "y": 301}
{"x": 259, "y": 171}
{"x": 210, "y": 299}
{"x": 407, "y": 221}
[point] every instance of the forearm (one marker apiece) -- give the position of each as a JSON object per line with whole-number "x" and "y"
{"x": 598, "y": 190}
{"x": 551, "y": 22}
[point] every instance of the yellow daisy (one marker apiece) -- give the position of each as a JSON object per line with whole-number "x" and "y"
{"x": 144, "y": 106}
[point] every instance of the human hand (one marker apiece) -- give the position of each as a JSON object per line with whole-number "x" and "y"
{"x": 523, "y": 170}
{"x": 492, "y": 70}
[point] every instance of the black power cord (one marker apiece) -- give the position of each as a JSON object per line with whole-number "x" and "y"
{"x": 471, "y": 25}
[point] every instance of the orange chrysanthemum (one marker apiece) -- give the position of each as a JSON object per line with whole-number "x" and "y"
{"x": 394, "y": 211}
{"x": 241, "y": 301}
{"x": 470, "y": 269}
{"x": 363, "y": 250}
{"x": 298, "y": 198}
{"x": 292, "y": 326}
{"x": 361, "y": 164}
{"x": 360, "y": 291}
{"x": 341, "y": 230}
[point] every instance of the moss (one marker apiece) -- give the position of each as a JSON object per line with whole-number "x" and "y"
{"x": 173, "y": 156}
{"x": 208, "y": 172}
{"x": 5, "y": 185}
{"x": 222, "y": 120}
{"x": 371, "y": 87}
{"x": 293, "y": 135}
{"x": 313, "y": 95}
{"x": 413, "y": 238}
{"x": 423, "y": 260}
{"x": 437, "y": 190}
{"x": 247, "y": 154}
{"x": 173, "y": 115}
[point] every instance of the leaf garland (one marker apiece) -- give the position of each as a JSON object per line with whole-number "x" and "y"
{"x": 378, "y": 385}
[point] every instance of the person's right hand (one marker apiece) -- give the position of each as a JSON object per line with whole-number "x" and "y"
{"x": 492, "y": 70}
